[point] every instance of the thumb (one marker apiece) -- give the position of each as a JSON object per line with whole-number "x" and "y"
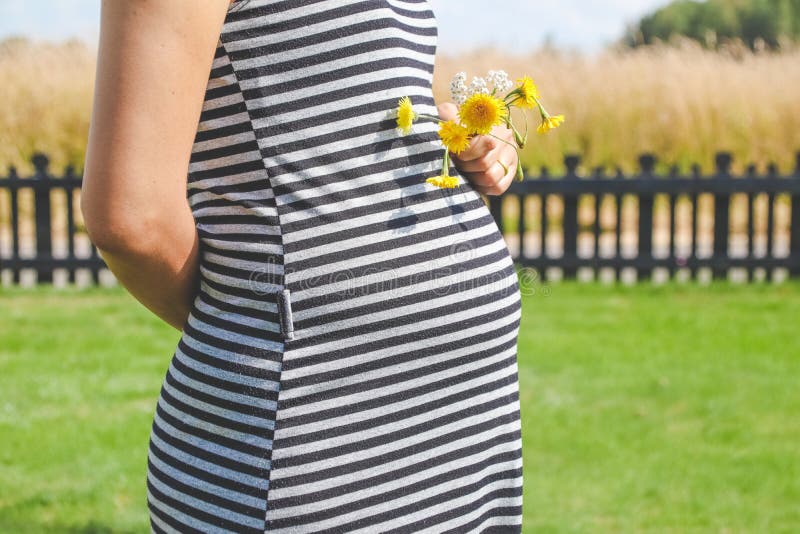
{"x": 448, "y": 111}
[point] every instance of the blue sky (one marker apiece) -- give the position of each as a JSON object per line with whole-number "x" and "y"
{"x": 463, "y": 24}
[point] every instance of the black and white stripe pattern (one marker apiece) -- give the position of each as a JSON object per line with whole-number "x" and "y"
{"x": 381, "y": 394}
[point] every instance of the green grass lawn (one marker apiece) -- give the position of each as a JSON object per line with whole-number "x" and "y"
{"x": 645, "y": 409}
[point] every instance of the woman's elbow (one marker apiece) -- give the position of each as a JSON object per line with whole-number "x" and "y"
{"x": 114, "y": 231}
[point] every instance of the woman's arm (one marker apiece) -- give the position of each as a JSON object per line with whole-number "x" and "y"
{"x": 153, "y": 63}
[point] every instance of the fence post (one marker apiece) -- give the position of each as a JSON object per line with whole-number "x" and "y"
{"x": 44, "y": 249}
{"x": 521, "y": 223}
{"x": 772, "y": 173}
{"x": 696, "y": 175}
{"x": 719, "y": 259}
{"x": 794, "y": 227}
{"x": 14, "y": 201}
{"x": 570, "y": 222}
{"x": 543, "y": 229}
{"x": 599, "y": 175}
{"x": 647, "y": 163}
{"x": 618, "y": 198}
{"x": 751, "y": 173}
{"x": 673, "y": 227}
{"x": 69, "y": 180}
{"x": 496, "y": 209}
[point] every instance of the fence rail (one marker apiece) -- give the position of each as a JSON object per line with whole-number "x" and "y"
{"x": 580, "y": 242}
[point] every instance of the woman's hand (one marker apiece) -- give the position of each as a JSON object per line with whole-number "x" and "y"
{"x": 482, "y": 162}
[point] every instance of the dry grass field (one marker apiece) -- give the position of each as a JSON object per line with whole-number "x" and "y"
{"x": 45, "y": 102}
{"x": 683, "y": 103}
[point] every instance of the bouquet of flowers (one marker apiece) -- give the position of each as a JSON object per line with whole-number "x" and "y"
{"x": 479, "y": 110}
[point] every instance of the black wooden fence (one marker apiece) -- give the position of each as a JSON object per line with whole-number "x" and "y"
{"x": 42, "y": 258}
{"x": 570, "y": 190}
{"x": 646, "y": 187}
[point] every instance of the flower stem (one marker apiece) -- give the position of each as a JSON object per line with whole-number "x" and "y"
{"x": 446, "y": 162}
{"x": 526, "y": 126}
{"x": 520, "y": 173}
{"x": 517, "y": 137}
{"x": 423, "y": 116}
{"x": 542, "y": 111}
{"x": 514, "y": 94}
{"x": 503, "y": 140}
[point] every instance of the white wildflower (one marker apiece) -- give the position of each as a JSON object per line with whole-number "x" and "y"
{"x": 459, "y": 91}
{"x": 478, "y": 85}
{"x": 500, "y": 80}
{"x": 458, "y": 88}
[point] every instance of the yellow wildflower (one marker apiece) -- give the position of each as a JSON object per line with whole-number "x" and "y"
{"x": 481, "y": 112}
{"x": 443, "y": 181}
{"x": 454, "y": 136}
{"x": 405, "y": 115}
{"x": 549, "y": 123}
{"x": 527, "y": 93}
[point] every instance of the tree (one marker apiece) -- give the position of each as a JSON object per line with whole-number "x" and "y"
{"x": 712, "y": 22}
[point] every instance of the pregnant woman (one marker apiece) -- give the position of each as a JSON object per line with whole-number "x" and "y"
{"x": 348, "y": 356}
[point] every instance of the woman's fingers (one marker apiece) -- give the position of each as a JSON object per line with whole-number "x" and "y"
{"x": 485, "y": 161}
{"x": 481, "y": 144}
{"x": 498, "y": 188}
{"x": 487, "y": 175}
{"x": 478, "y": 147}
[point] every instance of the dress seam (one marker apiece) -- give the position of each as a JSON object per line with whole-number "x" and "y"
{"x": 279, "y": 296}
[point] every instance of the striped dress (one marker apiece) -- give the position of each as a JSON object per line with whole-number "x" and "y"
{"x": 349, "y": 363}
